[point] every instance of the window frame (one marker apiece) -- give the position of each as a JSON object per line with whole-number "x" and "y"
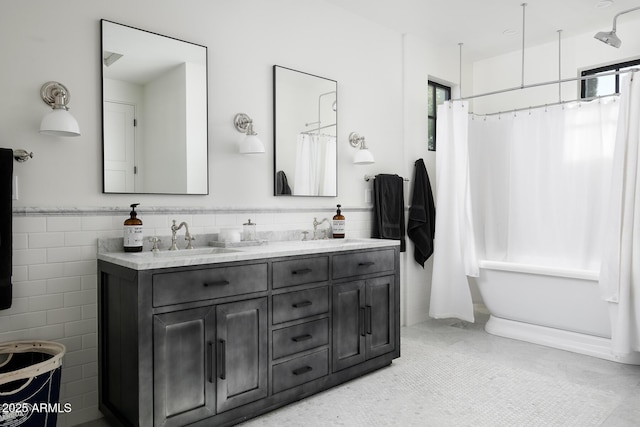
{"x": 433, "y": 86}
{"x": 606, "y": 68}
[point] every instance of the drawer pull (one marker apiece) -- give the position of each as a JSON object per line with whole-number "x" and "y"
{"x": 302, "y": 271}
{"x": 368, "y": 319}
{"x": 301, "y": 304}
{"x": 302, "y": 338}
{"x": 366, "y": 264}
{"x": 218, "y": 283}
{"x": 302, "y": 370}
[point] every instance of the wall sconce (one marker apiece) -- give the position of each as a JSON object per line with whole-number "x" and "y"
{"x": 251, "y": 143}
{"x": 58, "y": 122}
{"x": 363, "y": 155}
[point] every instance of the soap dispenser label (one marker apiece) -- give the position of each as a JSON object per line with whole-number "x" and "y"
{"x": 132, "y": 236}
{"x": 338, "y": 226}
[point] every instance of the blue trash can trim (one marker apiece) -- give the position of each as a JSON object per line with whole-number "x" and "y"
{"x": 56, "y": 350}
{"x": 30, "y": 383}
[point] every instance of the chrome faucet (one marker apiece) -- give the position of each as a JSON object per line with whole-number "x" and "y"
{"x": 315, "y": 228}
{"x": 187, "y": 236}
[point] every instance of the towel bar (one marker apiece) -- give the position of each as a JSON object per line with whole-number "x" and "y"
{"x": 21, "y": 155}
{"x": 370, "y": 177}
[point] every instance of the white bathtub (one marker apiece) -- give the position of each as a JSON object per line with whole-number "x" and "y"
{"x": 556, "y": 307}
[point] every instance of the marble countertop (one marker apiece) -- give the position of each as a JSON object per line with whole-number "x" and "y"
{"x": 211, "y": 255}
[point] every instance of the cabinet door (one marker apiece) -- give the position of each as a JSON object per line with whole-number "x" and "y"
{"x": 379, "y": 316}
{"x": 348, "y": 324}
{"x": 241, "y": 349}
{"x": 183, "y": 367}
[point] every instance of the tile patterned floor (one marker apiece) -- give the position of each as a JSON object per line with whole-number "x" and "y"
{"x": 454, "y": 374}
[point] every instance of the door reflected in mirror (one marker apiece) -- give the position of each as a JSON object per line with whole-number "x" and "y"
{"x": 154, "y": 121}
{"x": 305, "y": 130}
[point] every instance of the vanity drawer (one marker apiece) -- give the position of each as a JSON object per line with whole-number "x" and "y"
{"x": 207, "y": 283}
{"x": 347, "y": 265}
{"x": 299, "y": 271}
{"x": 300, "y": 304}
{"x": 295, "y": 339}
{"x": 300, "y": 370}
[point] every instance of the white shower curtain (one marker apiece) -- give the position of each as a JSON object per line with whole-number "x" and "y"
{"x": 454, "y": 247}
{"x": 315, "y": 173}
{"x": 620, "y": 273}
{"x": 307, "y": 155}
{"x": 540, "y": 183}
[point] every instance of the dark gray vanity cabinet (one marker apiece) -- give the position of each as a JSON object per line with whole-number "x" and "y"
{"x": 241, "y": 353}
{"x": 220, "y": 343}
{"x": 183, "y": 363}
{"x": 364, "y": 317}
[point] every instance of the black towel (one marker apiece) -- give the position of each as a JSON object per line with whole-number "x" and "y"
{"x": 422, "y": 215}
{"x": 282, "y": 184}
{"x": 6, "y": 178}
{"x": 388, "y": 208}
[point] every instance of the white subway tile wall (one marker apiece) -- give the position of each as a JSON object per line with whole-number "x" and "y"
{"x": 55, "y": 280}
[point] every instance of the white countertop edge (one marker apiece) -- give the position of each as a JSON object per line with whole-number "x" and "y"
{"x": 147, "y": 261}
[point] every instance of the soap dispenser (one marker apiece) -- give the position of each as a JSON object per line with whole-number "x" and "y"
{"x": 338, "y": 225}
{"x": 133, "y": 231}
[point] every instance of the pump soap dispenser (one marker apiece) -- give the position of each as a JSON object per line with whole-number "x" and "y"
{"x": 338, "y": 225}
{"x": 133, "y": 231}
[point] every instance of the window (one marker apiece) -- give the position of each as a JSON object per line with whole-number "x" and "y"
{"x": 605, "y": 85}
{"x": 438, "y": 93}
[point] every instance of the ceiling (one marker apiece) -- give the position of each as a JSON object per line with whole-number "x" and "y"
{"x": 481, "y": 24}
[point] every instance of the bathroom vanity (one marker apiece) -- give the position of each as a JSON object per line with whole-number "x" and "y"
{"x": 217, "y": 338}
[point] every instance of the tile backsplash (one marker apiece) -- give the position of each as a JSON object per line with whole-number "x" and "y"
{"x": 55, "y": 281}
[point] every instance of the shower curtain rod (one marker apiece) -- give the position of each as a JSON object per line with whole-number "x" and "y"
{"x": 318, "y": 128}
{"x": 532, "y": 107}
{"x": 532, "y": 85}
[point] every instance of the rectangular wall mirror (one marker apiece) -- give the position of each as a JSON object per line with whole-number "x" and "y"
{"x": 305, "y": 129}
{"x": 154, "y": 113}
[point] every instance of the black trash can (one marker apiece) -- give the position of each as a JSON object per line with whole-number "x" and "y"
{"x": 30, "y": 383}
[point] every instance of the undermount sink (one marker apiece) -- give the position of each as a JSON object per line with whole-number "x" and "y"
{"x": 189, "y": 252}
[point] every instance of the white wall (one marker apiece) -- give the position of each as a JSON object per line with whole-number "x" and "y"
{"x": 245, "y": 39}
{"x": 61, "y": 211}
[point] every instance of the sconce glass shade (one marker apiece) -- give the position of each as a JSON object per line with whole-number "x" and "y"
{"x": 363, "y": 157}
{"x": 59, "y": 122}
{"x": 251, "y": 144}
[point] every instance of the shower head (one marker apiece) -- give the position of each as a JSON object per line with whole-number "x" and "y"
{"x": 610, "y": 37}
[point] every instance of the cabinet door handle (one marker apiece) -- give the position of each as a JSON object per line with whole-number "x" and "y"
{"x": 368, "y": 319}
{"x": 222, "y": 359}
{"x": 217, "y": 283}
{"x": 302, "y": 271}
{"x": 361, "y": 321}
{"x": 366, "y": 264}
{"x": 301, "y": 304}
{"x": 210, "y": 361}
{"x": 302, "y": 338}
{"x": 302, "y": 370}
